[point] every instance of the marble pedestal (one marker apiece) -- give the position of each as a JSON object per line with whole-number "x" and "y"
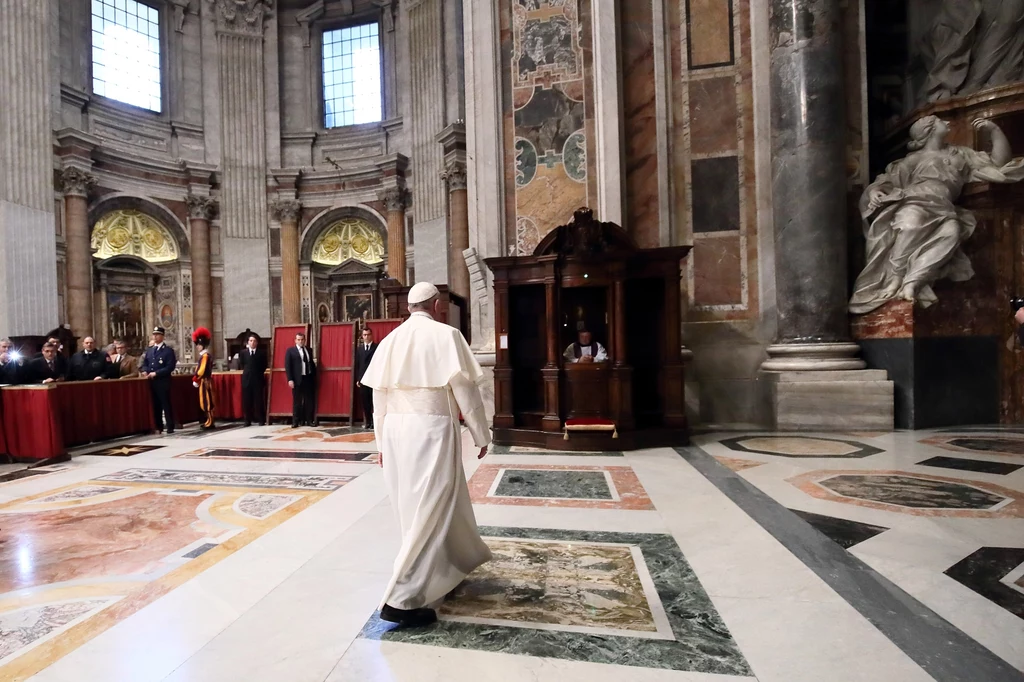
{"x": 845, "y": 400}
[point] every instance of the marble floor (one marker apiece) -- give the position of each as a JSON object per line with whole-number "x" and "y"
{"x": 260, "y": 554}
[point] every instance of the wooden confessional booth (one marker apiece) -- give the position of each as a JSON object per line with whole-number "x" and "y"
{"x": 589, "y": 274}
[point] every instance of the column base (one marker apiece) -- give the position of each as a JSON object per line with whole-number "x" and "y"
{"x": 811, "y": 357}
{"x": 859, "y": 400}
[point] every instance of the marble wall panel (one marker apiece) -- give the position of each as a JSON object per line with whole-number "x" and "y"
{"x": 640, "y": 122}
{"x": 716, "y": 194}
{"x": 713, "y": 115}
{"x": 718, "y": 278}
{"x": 545, "y": 117}
{"x": 709, "y": 32}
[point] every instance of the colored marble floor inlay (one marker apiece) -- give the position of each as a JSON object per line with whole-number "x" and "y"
{"x": 322, "y": 435}
{"x": 542, "y": 485}
{"x": 164, "y": 527}
{"x": 1007, "y": 445}
{"x": 800, "y": 446}
{"x": 915, "y": 494}
{"x": 198, "y": 433}
{"x": 977, "y": 465}
{"x": 617, "y": 598}
{"x": 996, "y": 573}
{"x": 521, "y": 450}
{"x": 124, "y": 450}
{"x": 734, "y": 464}
{"x": 843, "y": 532}
{"x": 277, "y": 455}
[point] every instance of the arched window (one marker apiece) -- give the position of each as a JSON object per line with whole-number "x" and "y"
{"x": 348, "y": 238}
{"x": 132, "y": 233}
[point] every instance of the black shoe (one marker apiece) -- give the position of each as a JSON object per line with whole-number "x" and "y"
{"x": 170, "y": 431}
{"x": 369, "y": 426}
{"x": 248, "y": 423}
{"x": 263, "y": 423}
{"x": 413, "y": 618}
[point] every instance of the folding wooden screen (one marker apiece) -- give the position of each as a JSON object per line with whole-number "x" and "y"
{"x": 334, "y": 373}
{"x": 380, "y": 329}
{"x": 280, "y": 396}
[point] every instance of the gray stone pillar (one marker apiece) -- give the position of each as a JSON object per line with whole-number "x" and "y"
{"x": 808, "y": 142}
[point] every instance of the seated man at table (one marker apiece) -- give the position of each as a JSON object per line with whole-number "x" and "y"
{"x": 12, "y": 365}
{"x": 89, "y": 363}
{"x": 46, "y": 370}
{"x": 59, "y": 359}
{"x": 585, "y": 350}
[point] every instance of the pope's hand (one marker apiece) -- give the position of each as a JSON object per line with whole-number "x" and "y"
{"x": 291, "y": 384}
{"x": 483, "y": 451}
{"x": 97, "y": 378}
{"x": 359, "y": 384}
{"x": 380, "y": 459}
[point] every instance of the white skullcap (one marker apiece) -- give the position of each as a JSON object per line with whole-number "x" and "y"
{"x": 422, "y": 291}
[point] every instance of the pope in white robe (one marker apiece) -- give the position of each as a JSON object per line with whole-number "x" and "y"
{"x": 423, "y": 375}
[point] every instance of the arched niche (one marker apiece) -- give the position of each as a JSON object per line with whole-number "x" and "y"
{"x": 326, "y": 220}
{"x": 155, "y": 210}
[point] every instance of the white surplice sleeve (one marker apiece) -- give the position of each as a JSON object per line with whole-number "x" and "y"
{"x": 471, "y": 404}
{"x": 602, "y": 353}
{"x": 380, "y": 409}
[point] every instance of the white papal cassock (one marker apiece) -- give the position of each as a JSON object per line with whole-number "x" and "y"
{"x": 423, "y": 375}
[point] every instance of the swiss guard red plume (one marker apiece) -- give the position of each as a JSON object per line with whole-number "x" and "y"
{"x": 201, "y": 335}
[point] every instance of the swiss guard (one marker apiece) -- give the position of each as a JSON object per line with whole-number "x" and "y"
{"x": 203, "y": 378}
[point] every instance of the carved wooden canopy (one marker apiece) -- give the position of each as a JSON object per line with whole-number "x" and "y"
{"x": 585, "y": 237}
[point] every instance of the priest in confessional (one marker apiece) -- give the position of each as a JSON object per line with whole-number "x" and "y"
{"x": 585, "y": 349}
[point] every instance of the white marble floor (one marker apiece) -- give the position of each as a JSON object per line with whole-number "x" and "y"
{"x": 289, "y": 594}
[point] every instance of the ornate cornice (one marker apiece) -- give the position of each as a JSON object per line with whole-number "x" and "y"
{"x": 199, "y": 207}
{"x": 454, "y": 174}
{"x": 394, "y": 198}
{"x": 244, "y": 16}
{"x": 76, "y": 182}
{"x": 286, "y": 210}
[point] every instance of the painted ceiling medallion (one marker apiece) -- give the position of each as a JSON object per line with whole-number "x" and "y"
{"x": 133, "y": 233}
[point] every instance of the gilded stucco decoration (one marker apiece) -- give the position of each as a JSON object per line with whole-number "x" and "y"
{"x": 349, "y": 238}
{"x": 133, "y": 233}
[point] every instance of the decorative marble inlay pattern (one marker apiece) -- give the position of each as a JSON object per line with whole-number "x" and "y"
{"x": 909, "y": 491}
{"x": 516, "y": 622}
{"x": 843, "y": 532}
{"x": 324, "y": 436}
{"x": 575, "y": 587}
{"x": 276, "y": 455}
{"x": 985, "y": 570}
{"x": 124, "y": 450}
{"x": 544, "y": 485}
{"x": 978, "y": 465}
{"x": 734, "y": 464}
{"x": 262, "y": 505}
{"x": 578, "y": 485}
{"x": 219, "y": 478}
{"x": 913, "y": 494}
{"x": 80, "y": 493}
{"x": 23, "y": 627}
{"x": 800, "y": 446}
{"x": 522, "y": 450}
{"x": 991, "y": 445}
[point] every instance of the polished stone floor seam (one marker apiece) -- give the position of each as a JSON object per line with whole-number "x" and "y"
{"x": 942, "y": 650}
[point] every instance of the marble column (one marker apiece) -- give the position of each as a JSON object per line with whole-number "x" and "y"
{"x": 28, "y": 243}
{"x": 287, "y": 212}
{"x": 75, "y": 183}
{"x": 395, "y": 199}
{"x": 808, "y": 135}
{"x": 200, "y": 210}
{"x": 458, "y": 272}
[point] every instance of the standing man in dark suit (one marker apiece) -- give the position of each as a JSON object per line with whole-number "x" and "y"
{"x": 157, "y": 365}
{"x": 300, "y": 368}
{"x": 46, "y": 369}
{"x": 12, "y": 365}
{"x": 254, "y": 364}
{"x": 89, "y": 364}
{"x": 364, "y": 353}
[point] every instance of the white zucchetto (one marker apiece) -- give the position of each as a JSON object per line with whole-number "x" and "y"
{"x": 422, "y": 291}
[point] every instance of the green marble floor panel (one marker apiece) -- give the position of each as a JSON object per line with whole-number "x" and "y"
{"x": 521, "y": 450}
{"x": 575, "y": 485}
{"x": 615, "y": 598}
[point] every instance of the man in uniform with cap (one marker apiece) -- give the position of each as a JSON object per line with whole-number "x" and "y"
{"x": 423, "y": 375}
{"x": 158, "y": 364}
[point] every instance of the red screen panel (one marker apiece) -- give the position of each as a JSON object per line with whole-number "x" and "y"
{"x": 280, "y": 394}
{"x": 382, "y": 328}
{"x": 334, "y": 382}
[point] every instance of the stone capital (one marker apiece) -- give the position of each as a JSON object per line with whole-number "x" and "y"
{"x": 286, "y": 211}
{"x": 394, "y": 198}
{"x": 200, "y": 207}
{"x": 76, "y": 182}
{"x": 243, "y": 16}
{"x": 454, "y": 174}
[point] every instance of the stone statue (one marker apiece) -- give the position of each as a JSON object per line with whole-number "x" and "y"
{"x": 913, "y": 230}
{"x": 973, "y": 45}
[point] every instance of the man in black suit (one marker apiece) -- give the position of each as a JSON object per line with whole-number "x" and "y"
{"x": 46, "y": 369}
{"x": 89, "y": 364}
{"x": 158, "y": 365}
{"x": 12, "y": 365}
{"x": 364, "y": 353}
{"x": 59, "y": 359}
{"x": 300, "y": 368}
{"x": 254, "y": 364}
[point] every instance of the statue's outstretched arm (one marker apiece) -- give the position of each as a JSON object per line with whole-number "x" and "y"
{"x": 1001, "y": 153}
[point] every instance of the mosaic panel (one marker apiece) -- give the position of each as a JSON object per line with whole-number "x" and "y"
{"x": 543, "y": 485}
{"x": 615, "y": 621}
{"x": 124, "y": 450}
{"x": 291, "y": 481}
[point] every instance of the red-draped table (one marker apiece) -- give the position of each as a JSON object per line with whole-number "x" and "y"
{"x": 227, "y": 392}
